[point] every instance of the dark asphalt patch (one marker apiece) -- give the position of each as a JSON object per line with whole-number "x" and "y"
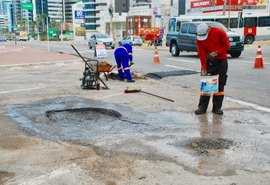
{"x": 203, "y": 145}
{"x": 159, "y": 75}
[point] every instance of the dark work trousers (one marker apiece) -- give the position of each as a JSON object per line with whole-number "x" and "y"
{"x": 216, "y": 67}
{"x": 219, "y": 67}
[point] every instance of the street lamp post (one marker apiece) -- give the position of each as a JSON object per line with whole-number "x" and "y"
{"x": 62, "y": 17}
{"x": 48, "y": 38}
{"x": 111, "y": 16}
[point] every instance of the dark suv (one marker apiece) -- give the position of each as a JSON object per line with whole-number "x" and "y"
{"x": 185, "y": 39}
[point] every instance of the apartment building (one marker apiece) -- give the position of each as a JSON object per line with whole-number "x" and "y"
{"x": 93, "y": 9}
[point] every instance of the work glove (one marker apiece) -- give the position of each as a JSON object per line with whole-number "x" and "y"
{"x": 211, "y": 56}
{"x": 203, "y": 72}
{"x": 131, "y": 63}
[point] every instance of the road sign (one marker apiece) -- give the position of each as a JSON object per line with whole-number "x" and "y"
{"x": 100, "y": 50}
{"x": 26, "y": 6}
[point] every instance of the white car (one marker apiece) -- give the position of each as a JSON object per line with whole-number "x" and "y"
{"x": 3, "y": 39}
{"x": 132, "y": 40}
{"x": 103, "y": 38}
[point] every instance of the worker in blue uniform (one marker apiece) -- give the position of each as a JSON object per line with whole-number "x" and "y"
{"x": 123, "y": 55}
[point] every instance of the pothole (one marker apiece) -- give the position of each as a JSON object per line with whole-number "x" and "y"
{"x": 83, "y": 115}
{"x": 210, "y": 146}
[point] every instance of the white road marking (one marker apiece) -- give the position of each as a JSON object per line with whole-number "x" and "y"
{"x": 19, "y": 90}
{"x": 176, "y": 67}
{"x": 241, "y": 102}
{"x": 253, "y": 105}
{"x": 246, "y": 62}
{"x": 187, "y": 61}
{"x": 92, "y": 51}
{"x": 87, "y": 51}
{"x": 49, "y": 62}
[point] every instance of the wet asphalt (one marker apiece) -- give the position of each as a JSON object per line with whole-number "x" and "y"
{"x": 224, "y": 145}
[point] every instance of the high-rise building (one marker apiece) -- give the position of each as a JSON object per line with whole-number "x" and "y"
{"x": 92, "y": 13}
{"x": 134, "y": 3}
{"x": 41, "y": 7}
{"x": 68, "y": 10}
{"x": 56, "y": 10}
{"x": 2, "y": 7}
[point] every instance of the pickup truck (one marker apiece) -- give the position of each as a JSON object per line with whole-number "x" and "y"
{"x": 185, "y": 39}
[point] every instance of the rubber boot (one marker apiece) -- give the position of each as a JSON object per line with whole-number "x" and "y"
{"x": 217, "y": 104}
{"x": 203, "y": 104}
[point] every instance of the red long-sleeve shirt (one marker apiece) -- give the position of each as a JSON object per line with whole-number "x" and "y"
{"x": 217, "y": 41}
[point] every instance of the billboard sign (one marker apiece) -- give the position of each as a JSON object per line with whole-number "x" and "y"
{"x": 26, "y": 6}
{"x": 215, "y": 5}
{"x": 79, "y": 14}
{"x": 218, "y": 5}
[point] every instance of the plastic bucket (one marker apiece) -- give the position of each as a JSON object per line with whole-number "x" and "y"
{"x": 209, "y": 84}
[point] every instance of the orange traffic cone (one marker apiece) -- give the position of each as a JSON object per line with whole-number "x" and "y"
{"x": 156, "y": 56}
{"x": 259, "y": 60}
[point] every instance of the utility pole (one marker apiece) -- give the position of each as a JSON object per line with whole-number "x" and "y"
{"x": 111, "y": 16}
{"x": 62, "y": 17}
{"x": 28, "y": 24}
{"x": 224, "y": 7}
{"x": 48, "y": 38}
{"x": 229, "y": 15}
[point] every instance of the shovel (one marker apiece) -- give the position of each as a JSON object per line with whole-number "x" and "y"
{"x": 128, "y": 90}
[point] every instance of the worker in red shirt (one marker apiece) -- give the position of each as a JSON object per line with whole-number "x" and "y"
{"x": 212, "y": 44}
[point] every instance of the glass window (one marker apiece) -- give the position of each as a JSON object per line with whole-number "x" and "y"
{"x": 184, "y": 28}
{"x": 250, "y": 21}
{"x": 90, "y": 6}
{"x": 223, "y": 21}
{"x": 208, "y": 19}
{"x": 192, "y": 29}
{"x": 90, "y": 27}
{"x": 91, "y": 13}
{"x": 91, "y": 1}
{"x": 178, "y": 25}
{"x": 234, "y": 23}
{"x": 103, "y": 36}
{"x": 264, "y": 21}
{"x": 172, "y": 24}
{"x": 90, "y": 20}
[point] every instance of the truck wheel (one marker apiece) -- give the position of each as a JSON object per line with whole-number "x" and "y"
{"x": 174, "y": 50}
{"x": 249, "y": 39}
{"x": 236, "y": 54}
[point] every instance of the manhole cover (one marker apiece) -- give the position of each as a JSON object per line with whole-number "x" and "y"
{"x": 206, "y": 145}
{"x": 159, "y": 75}
{"x": 83, "y": 115}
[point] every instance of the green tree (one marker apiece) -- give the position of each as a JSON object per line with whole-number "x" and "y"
{"x": 23, "y": 24}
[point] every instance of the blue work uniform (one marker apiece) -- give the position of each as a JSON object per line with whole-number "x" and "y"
{"x": 123, "y": 55}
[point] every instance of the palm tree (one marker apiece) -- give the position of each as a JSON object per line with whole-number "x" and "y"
{"x": 40, "y": 24}
{"x": 23, "y": 24}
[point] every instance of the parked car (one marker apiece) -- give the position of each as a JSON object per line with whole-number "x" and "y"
{"x": 185, "y": 39}
{"x": 102, "y": 38}
{"x": 3, "y": 39}
{"x": 132, "y": 40}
